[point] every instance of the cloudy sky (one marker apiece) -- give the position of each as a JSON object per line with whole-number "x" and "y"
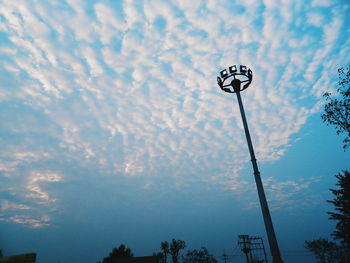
{"x": 113, "y": 129}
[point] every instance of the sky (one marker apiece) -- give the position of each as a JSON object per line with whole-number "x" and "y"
{"x": 114, "y": 130}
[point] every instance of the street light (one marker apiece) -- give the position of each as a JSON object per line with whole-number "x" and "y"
{"x": 235, "y": 80}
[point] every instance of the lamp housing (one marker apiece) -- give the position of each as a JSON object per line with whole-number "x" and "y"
{"x": 234, "y": 80}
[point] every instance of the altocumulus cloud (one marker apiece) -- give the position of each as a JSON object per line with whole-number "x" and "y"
{"x": 128, "y": 88}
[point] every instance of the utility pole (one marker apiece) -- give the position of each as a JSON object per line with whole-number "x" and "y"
{"x": 257, "y": 244}
{"x": 251, "y": 245}
{"x": 224, "y": 257}
{"x": 244, "y": 243}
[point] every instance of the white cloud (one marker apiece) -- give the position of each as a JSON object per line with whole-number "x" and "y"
{"x": 315, "y": 19}
{"x": 31, "y": 222}
{"x": 33, "y": 187}
{"x": 321, "y": 3}
{"x": 289, "y": 193}
{"x": 109, "y": 25}
{"x": 7, "y": 205}
{"x": 133, "y": 91}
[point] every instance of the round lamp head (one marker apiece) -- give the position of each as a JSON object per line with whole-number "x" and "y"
{"x": 235, "y": 79}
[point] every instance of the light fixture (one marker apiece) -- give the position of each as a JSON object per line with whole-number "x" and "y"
{"x": 243, "y": 69}
{"x": 231, "y": 80}
{"x": 233, "y": 69}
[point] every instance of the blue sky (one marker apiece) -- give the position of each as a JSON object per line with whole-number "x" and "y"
{"x": 113, "y": 129}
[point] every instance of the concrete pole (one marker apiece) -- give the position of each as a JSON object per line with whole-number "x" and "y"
{"x": 275, "y": 252}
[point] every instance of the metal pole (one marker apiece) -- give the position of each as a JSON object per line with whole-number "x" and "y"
{"x": 275, "y": 252}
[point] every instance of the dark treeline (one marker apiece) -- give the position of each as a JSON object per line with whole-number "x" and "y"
{"x": 169, "y": 253}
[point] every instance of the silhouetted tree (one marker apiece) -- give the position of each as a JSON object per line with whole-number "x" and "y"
{"x": 337, "y": 109}
{"x": 323, "y": 249}
{"x": 198, "y": 256}
{"x": 174, "y": 249}
{"x": 117, "y": 253}
{"x": 341, "y": 202}
{"x": 164, "y": 246}
{"x": 327, "y": 251}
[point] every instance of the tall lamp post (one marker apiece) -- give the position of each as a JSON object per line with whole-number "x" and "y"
{"x": 235, "y": 80}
